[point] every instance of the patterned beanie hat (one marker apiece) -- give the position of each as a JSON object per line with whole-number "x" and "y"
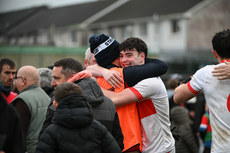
{"x": 105, "y": 49}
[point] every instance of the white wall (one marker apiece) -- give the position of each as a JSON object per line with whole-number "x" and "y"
{"x": 172, "y": 41}
{"x": 153, "y": 40}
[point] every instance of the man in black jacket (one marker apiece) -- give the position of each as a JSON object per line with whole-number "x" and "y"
{"x": 103, "y": 108}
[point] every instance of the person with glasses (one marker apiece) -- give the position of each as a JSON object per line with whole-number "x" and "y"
{"x": 7, "y": 73}
{"x": 31, "y": 104}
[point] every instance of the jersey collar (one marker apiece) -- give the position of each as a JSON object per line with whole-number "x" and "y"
{"x": 224, "y": 60}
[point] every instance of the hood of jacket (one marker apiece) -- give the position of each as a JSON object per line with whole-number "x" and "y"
{"x": 73, "y": 111}
{"x": 92, "y": 91}
{"x": 179, "y": 115}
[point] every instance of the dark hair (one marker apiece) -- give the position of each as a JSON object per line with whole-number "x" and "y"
{"x": 221, "y": 43}
{"x": 69, "y": 66}
{"x": 134, "y": 43}
{"x": 66, "y": 89}
{"x": 172, "y": 83}
{"x": 7, "y": 62}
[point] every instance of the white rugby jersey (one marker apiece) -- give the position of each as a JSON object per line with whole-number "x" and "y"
{"x": 153, "y": 109}
{"x": 217, "y": 95}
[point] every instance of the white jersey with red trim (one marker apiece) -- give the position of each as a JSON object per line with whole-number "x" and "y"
{"x": 153, "y": 108}
{"x": 217, "y": 95}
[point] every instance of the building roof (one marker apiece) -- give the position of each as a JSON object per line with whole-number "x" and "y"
{"x": 35, "y": 19}
{"x": 58, "y": 17}
{"x": 147, "y": 8}
{"x": 12, "y": 19}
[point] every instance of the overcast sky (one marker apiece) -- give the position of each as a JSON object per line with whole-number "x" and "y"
{"x": 10, "y": 5}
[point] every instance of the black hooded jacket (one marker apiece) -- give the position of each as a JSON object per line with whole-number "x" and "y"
{"x": 75, "y": 131}
{"x": 104, "y": 109}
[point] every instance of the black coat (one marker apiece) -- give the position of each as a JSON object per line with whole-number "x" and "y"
{"x": 104, "y": 109}
{"x": 75, "y": 131}
{"x": 11, "y": 135}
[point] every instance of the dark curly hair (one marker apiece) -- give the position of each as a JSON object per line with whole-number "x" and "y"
{"x": 7, "y": 62}
{"x": 221, "y": 43}
{"x": 134, "y": 43}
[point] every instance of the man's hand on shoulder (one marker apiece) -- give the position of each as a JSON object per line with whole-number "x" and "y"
{"x": 113, "y": 78}
{"x": 222, "y": 72}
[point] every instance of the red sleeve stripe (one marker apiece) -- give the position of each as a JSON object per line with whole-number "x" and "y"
{"x": 139, "y": 96}
{"x": 191, "y": 89}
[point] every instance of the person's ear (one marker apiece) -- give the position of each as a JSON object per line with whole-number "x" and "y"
{"x": 23, "y": 81}
{"x": 70, "y": 77}
{"x": 215, "y": 54}
{"x": 85, "y": 63}
{"x": 142, "y": 55}
{"x": 55, "y": 104}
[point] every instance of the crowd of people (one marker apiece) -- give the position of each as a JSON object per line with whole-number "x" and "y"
{"x": 115, "y": 103}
